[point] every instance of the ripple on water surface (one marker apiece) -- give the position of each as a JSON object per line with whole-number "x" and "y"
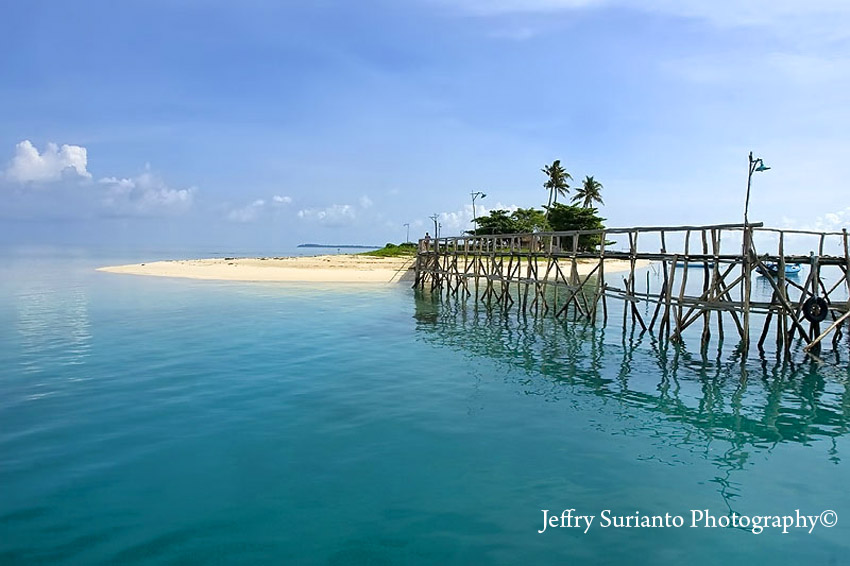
{"x": 159, "y": 421}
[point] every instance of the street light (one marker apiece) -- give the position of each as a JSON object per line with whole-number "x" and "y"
{"x": 435, "y": 217}
{"x": 755, "y": 165}
{"x": 475, "y": 195}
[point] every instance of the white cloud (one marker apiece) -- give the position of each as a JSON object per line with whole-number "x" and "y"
{"x": 66, "y": 191}
{"x": 834, "y": 221}
{"x": 829, "y": 222}
{"x": 334, "y": 215}
{"x": 805, "y": 243}
{"x": 145, "y": 194}
{"x": 723, "y": 13}
{"x": 248, "y": 213}
{"x": 454, "y": 223}
{"x": 255, "y": 209}
{"x": 340, "y": 214}
{"x": 495, "y": 7}
{"x": 730, "y": 13}
{"x": 28, "y": 165}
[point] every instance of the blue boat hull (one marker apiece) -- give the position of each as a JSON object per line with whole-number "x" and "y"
{"x": 773, "y": 269}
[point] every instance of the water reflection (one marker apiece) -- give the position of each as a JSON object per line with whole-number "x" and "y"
{"x": 53, "y": 326}
{"x": 707, "y": 403}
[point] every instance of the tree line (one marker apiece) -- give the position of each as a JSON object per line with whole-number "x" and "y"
{"x": 553, "y": 216}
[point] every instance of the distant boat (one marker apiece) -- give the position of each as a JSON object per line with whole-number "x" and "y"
{"x": 772, "y": 268}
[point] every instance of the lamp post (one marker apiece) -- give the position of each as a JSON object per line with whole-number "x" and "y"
{"x": 434, "y": 217}
{"x": 754, "y": 165}
{"x": 407, "y": 225}
{"x": 475, "y": 195}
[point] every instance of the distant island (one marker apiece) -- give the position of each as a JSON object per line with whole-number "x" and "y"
{"x": 347, "y": 246}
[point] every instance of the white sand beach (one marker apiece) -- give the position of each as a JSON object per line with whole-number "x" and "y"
{"x": 341, "y": 268}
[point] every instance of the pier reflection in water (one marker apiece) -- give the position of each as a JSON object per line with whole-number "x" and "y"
{"x": 707, "y": 404}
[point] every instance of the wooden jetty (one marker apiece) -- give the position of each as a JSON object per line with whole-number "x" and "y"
{"x": 706, "y": 272}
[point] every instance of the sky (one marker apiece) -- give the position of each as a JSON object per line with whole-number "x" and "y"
{"x": 264, "y": 124}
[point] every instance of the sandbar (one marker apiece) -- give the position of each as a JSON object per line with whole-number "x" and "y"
{"x": 341, "y": 268}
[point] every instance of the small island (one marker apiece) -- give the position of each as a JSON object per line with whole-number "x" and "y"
{"x": 340, "y": 246}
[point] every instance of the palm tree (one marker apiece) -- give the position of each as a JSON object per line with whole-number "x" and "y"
{"x": 557, "y": 182}
{"x": 589, "y": 192}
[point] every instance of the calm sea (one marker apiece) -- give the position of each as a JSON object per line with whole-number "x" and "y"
{"x": 160, "y": 421}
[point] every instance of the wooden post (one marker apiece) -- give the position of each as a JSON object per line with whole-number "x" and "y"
{"x": 677, "y": 336}
{"x": 833, "y": 326}
{"x": 746, "y": 290}
{"x": 665, "y": 322}
{"x": 663, "y": 292}
{"x": 766, "y": 323}
{"x": 509, "y": 266}
{"x": 706, "y": 320}
{"x": 715, "y": 246}
{"x": 846, "y": 263}
{"x": 814, "y": 329}
{"x": 782, "y": 292}
{"x": 601, "y": 283}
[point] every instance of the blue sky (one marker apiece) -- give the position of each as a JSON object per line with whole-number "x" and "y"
{"x": 260, "y": 124}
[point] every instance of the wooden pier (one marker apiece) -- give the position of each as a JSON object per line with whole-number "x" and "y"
{"x": 706, "y": 273}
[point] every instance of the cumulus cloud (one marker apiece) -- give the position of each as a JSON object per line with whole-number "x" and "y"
{"x": 833, "y": 221}
{"x": 145, "y": 194}
{"x": 62, "y": 179}
{"x": 28, "y": 165}
{"x": 829, "y": 222}
{"x": 334, "y": 215}
{"x": 248, "y": 213}
{"x": 341, "y": 214}
{"x": 803, "y": 244}
{"x": 458, "y": 221}
{"x": 252, "y": 211}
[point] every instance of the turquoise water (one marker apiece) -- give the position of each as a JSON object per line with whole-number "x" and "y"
{"x": 158, "y": 421}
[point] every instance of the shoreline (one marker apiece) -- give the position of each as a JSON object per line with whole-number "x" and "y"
{"x": 341, "y": 268}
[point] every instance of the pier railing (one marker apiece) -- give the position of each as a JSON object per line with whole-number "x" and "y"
{"x": 704, "y": 270}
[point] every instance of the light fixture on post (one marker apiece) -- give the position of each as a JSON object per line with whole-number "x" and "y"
{"x": 475, "y": 195}
{"x": 435, "y": 217}
{"x": 756, "y": 164}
